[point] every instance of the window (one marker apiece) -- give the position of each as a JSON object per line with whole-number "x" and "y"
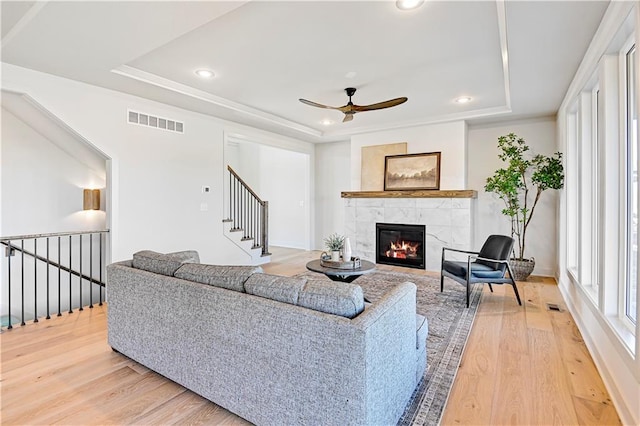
{"x": 584, "y": 218}
{"x": 631, "y": 237}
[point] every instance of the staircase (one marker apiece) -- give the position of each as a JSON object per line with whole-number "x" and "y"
{"x": 247, "y": 224}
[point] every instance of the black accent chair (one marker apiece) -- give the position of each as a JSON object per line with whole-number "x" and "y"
{"x": 489, "y": 265}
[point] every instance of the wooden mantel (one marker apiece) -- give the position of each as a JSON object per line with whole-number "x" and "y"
{"x": 465, "y": 193}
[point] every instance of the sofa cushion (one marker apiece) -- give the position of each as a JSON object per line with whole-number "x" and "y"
{"x": 332, "y": 297}
{"x": 478, "y": 270}
{"x": 188, "y": 256}
{"x": 275, "y": 287}
{"x": 159, "y": 263}
{"x": 229, "y": 277}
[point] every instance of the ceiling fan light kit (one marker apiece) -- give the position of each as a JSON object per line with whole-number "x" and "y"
{"x": 350, "y": 108}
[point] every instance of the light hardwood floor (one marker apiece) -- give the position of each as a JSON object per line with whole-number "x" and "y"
{"x": 521, "y": 366}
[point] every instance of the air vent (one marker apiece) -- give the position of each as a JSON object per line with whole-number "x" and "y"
{"x": 553, "y": 307}
{"x": 148, "y": 120}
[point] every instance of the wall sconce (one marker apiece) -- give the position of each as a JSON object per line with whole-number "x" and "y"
{"x": 91, "y": 199}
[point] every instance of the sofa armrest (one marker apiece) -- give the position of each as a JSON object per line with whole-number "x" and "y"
{"x": 381, "y": 307}
{"x": 389, "y": 327}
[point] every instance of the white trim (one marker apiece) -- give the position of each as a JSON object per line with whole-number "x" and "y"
{"x": 624, "y": 188}
{"x": 26, "y": 18}
{"x": 486, "y": 112}
{"x": 504, "y": 50}
{"x": 615, "y": 15}
{"x": 596, "y": 205}
{"x": 158, "y": 81}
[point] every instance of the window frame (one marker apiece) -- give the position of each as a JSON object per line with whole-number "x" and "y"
{"x": 625, "y": 190}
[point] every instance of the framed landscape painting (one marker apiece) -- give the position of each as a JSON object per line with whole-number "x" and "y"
{"x": 412, "y": 172}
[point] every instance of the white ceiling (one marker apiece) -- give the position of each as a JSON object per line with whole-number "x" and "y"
{"x": 514, "y": 58}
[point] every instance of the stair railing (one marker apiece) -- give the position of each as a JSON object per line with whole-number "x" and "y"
{"x": 49, "y": 253}
{"x": 248, "y": 213}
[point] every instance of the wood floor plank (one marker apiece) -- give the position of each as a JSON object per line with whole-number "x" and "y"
{"x": 535, "y": 308}
{"x": 471, "y": 396}
{"x": 118, "y": 405}
{"x": 581, "y": 370}
{"x": 512, "y": 402}
{"x": 47, "y": 406}
{"x": 591, "y": 413}
{"x": 514, "y": 328}
{"x": 553, "y": 402}
{"x": 172, "y": 411}
{"x": 80, "y": 371}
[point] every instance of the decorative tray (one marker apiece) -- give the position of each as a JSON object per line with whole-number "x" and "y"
{"x": 354, "y": 263}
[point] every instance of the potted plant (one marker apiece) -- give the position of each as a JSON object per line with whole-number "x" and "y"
{"x": 334, "y": 244}
{"x": 519, "y": 186}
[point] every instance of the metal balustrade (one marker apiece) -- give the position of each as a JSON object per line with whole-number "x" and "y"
{"x": 46, "y": 275}
{"x": 248, "y": 213}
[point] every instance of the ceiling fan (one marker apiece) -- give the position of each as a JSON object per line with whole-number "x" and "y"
{"x": 350, "y": 108}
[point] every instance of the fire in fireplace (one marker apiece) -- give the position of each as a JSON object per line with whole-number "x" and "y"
{"x": 400, "y": 245}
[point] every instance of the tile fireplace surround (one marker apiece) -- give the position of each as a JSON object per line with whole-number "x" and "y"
{"x": 447, "y": 215}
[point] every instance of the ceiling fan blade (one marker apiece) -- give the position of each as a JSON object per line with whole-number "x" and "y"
{"x": 315, "y": 104}
{"x": 348, "y": 117}
{"x": 380, "y": 105}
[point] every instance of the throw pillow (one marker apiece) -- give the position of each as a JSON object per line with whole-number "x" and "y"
{"x": 159, "y": 263}
{"x": 187, "y": 256}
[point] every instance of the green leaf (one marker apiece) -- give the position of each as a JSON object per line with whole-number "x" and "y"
{"x": 523, "y": 177}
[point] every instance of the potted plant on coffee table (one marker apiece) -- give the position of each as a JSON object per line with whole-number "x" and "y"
{"x": 334, "y": 244}
{"x": 519, "y": 185}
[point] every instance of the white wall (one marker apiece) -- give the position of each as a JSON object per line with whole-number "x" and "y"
{"x": 42, "y": 191}
{"x": 338, "y": 166}
{"x": 155, "y": 192}
{"x": 42, "y": 186}
{"x": 542, "y": 234}
{"x": 332, "y": 176}
{"x": 448, "y": 138}
{"x": 284, "y": 182}
{"x": 281, "y": 177}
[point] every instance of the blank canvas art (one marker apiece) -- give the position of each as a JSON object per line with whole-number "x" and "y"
{"x": 372, "y": 170}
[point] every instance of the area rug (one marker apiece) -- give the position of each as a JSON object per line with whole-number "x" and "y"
{"x": 449, "y": 325}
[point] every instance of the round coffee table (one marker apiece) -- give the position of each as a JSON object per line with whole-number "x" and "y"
{"x": 342, "y": 275}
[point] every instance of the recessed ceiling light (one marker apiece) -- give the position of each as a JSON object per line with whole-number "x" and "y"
{"x": 463, "y": 100}
{"x": 326, "y": 122}
{"x": 408, "y": 4}
{"x": 205, "y": 73}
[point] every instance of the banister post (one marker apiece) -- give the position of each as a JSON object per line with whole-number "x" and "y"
{"x": 265, "y": 227}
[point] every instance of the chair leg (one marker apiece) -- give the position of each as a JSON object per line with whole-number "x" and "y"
{"x": 468, "y": 291}
{"x": 515, "y": 290}
{"x": 441, "y": 282}
{"x": 490, "y": 287}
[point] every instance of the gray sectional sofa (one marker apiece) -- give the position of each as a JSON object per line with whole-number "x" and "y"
{"x": 274, "y": 350}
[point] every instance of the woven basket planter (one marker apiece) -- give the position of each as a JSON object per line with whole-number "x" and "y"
{"x": 522, "y": 268}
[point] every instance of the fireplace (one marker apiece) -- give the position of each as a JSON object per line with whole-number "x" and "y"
{"x": 400, "y": 245}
